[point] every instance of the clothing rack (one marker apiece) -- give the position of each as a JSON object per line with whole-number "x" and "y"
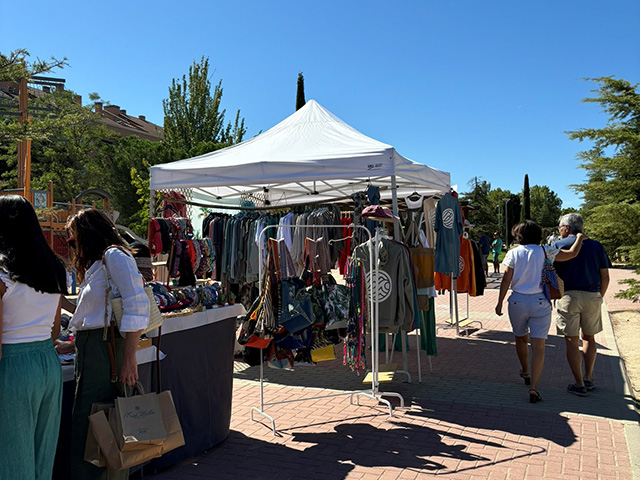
{"x": 454, "y": 315}
{"x": 374, "y": 393}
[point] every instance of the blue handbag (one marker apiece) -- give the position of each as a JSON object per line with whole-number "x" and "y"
{"x": 297, "y": 311}
{"x": 297, "y": 341}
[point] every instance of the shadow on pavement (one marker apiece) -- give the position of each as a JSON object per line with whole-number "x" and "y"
{"x": 337, "y": 453}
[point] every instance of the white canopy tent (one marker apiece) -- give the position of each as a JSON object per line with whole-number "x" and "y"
{"x": 311, "y": 156}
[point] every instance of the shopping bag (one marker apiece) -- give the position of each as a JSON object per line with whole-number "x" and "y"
{"x": 116, "y": 459}
{"x": 140, "y": 422}
{"x": 92, "y": 452}
{"x": 175, "y": 437}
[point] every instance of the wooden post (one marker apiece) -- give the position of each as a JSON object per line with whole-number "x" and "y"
{"x": 23, "y": 99}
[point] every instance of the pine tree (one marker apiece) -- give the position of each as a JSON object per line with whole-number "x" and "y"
{"x": 300, "y": 101}
{"x": 527, "y": 198}
{"x": 612, "y": 191}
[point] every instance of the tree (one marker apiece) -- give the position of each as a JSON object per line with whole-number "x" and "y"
{"x": 546, "y": 206}
{"x": 482, "y": 215}
{"x": 496, "y": 199}
{"x": 612, "y": 190}
{"x": 300, "y": 101}
{"x": 67, "y": 156}
{"x": 526, "y": 197}
{"x": 192, "y": 114}
{"x": 14, "y": 66}
{"x": 58, "y": 114}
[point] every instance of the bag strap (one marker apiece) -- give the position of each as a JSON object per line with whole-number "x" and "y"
{"x": 110, "y": 324}
{"x": 158, "y": 369}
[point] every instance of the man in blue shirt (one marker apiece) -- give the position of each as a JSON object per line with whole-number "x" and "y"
{"x": 485, "y": 246}
{"x": 586, "y": 279}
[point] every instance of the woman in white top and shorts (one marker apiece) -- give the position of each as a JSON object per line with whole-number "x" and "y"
{"x": 529, "y": 309}
{"x": 32, "y": 281}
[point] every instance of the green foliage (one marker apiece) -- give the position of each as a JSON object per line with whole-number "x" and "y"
{"x": 192, "y": 113}
{"x": 612, "y": 190}
{"x": 300, "y": 101}
{"x": 14, "y": 66}
{"x": 67, "y": 155}
{"x": 61, "y": 114}
{"x": 482, "y": 215}
{"x": 545, "y": 206}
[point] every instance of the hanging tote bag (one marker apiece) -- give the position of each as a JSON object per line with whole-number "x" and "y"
{"x": 550, "y": 286}
{"x": 155, "y": 317}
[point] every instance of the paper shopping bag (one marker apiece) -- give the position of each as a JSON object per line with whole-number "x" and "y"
{"x": 116, "y": 459}
{"x": 92, "y": 452}
{"x": 175, "y": 438}
{"x": 139, "y": 422}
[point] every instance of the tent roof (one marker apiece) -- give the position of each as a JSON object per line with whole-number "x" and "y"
{"x": 310, "y": 156}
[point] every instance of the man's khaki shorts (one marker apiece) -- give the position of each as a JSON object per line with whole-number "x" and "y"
{"x": 578, "y": 310}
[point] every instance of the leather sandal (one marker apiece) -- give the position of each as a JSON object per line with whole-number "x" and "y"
{"x": 534, "y": 396}
{"x": 526, "y": 377}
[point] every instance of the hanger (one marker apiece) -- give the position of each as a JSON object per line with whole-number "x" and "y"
{"x": 415, "y": 196}
{"x": 344, "y": 238}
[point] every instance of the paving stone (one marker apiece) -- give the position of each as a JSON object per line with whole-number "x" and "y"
{"x": 469, "y": 418}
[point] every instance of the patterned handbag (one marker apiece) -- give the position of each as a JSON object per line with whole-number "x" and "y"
{"x": 550, "y": 286}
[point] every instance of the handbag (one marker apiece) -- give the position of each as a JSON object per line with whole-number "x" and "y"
{"x": 155, "y": 317}
{"x": 297, "y": 313}
{"x": 550, "y": 286}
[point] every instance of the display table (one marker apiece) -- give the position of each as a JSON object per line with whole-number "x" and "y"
{"x": 198, "y": 369}
{"x": 197, "y": 366}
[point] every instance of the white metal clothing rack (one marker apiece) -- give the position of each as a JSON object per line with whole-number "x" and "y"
{"x": 373, "y": 393}
{"x": 454, "y": 315}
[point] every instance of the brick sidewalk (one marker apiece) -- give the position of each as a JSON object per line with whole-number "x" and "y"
{"x": 468, "y": 419}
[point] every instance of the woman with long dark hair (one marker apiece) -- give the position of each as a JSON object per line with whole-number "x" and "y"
{"x": 32, "y": 280}
{"x": 529, "y": 309}
{"x": 93, "y": 235}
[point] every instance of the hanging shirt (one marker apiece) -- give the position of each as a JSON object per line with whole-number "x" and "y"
{"x": 448, "y": 226}
{"x": 465, "y": 281}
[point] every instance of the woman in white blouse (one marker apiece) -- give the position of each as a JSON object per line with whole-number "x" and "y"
{"x": 91, "y": 235}
{"x": 32, "y": 280}
{"x": 529, "y": 309}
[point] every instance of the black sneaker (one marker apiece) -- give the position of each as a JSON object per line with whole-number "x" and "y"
{"x": 580, "y": 391}
{"x": 589, "y": 385}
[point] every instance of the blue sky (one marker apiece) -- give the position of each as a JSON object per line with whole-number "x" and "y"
{"x": 474, "y": 88}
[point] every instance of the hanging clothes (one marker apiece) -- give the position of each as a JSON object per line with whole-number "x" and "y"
{"x": 448, "y": 226}
{"x": 394, "y": 291}
{"x": 478, "y": 269}
{"x": 465, "y": 280}
{"x": 429, "y": 206}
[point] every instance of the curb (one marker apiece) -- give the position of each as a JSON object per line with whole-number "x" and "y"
{"x": 631, "y": 429}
